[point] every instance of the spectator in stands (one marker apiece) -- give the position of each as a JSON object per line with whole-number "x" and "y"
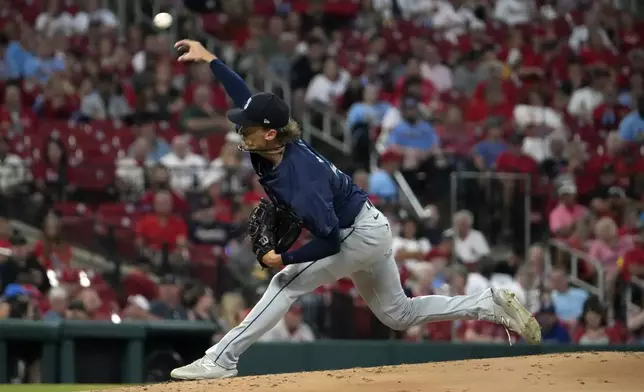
{"x": 58, "y": 100}
{"x": 381, "y": 181}
{"x": 161, "y": 236}
{"x": 55, "y": 19}
{"x": 290, "y": 328}
{"x": 233, "y": 309}
{"x": 567, "y": 301}
{"x": 168, "y": 305}
{"x": 15, "y": 117}
{"x": 200, "y": 302}
{"x": 12, "y": 173}
{"x": 45, "y": 63}
{"x": 608, "y": 246}
{"x": 23, "y": 266}
{"x": 92, "y": 12}
{"x": 556, "y": 161}
{"x": 581, "y": 34}
{"x": 631, "y": 128}
{"x": 280, "y": 61}
{"x": 326, "y": 87}
{"x": 487, "y": 152}
{"x": 306, "y": 66}
{"x": 137, "y": 309}
{"x": 414, "y": 137}
{"x": 631, "y": 264}
{"x": 592, "y": 328}
{"x": 201, "y": 118}
{"x": 52, "y": 250}
{"x": 457, "y": 138}
{"x": 470, "y": 244}
{"x": 229, "y": 169}
{"x": 409, "y": 250}
{"x": 159, "y": 180}
{"x": 147, "y": 129}
{"x": 18, "y": 303}
{"x": 468, "y": 74}
{"x": 58, "y": 302}
{"x": 609, "y": 115}
{"x": 536, "y": 112}
{"x": 186, "y": 168}
{"x": 165, "y": 95}
{"x": 636, "y": 89}
{"x": 131, "y": 170}
{"x": 586, "y": 99}
{"x": 91, "y": 304}
{"x": 106, "y": 102}
{"x": 53, "y": 177}
{"x": 552, "y": 330}
{"x": 433, "y": 70}
{"x": 566, "y": 215}
{"x": 493, "y": 102}
{"x": 368, "y": 111}
{"x": 514, "y": 12}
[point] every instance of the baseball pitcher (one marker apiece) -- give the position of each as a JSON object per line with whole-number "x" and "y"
{"x": 351, "y": 237}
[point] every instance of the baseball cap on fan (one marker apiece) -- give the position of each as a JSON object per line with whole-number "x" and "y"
{"x": 265, "y": 110}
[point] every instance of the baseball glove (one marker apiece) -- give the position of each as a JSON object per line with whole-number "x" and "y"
{"x": 261, "y": 229}
{"x": 271, "y": 227}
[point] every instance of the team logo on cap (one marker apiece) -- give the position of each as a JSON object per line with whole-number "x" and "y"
{"x": 248, "y": 103}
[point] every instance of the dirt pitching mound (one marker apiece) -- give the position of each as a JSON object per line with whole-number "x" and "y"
{"x": 573, "y": 372}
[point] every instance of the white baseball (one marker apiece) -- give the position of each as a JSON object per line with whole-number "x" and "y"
{"x": 163, "y": 20}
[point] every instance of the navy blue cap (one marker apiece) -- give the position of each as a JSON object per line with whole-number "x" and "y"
{"x": 262, "y": 110}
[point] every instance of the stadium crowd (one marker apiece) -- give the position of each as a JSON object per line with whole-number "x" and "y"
{"x": 109, "y": 145}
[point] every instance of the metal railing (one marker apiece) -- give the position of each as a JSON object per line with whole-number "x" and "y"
{"x": 576, "y": 257}
{"x": 525, "y": 179}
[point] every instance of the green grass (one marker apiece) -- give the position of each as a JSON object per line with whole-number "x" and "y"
{"x": 55, "y": 387}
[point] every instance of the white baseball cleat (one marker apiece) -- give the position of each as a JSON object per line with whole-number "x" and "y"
{"x": 202, "y": 369}
{"x": 512, "y": 315}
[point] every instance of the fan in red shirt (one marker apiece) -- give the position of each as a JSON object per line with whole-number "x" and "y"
{"x": 202, "y": 76}
{"x": 494, "y": 104}
{"x": 14, "y": 117}
{"x": 160, "y": 229}
{"x": 160, "y": 181}
{"x": 632, "y": 263}
{"x": 53, "y": 251}
{"x": 457, "y": 138}
{"x": 609, "y": 114}
{"x": 514, "y": 160}
{"x": 495, "y": 81}
{"x": 413, "y": 84}
{"x": 629, "y": 37}
{"x": 57, "y": 101}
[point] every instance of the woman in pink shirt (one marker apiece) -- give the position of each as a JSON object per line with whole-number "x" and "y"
{"x": 608, "y": 246}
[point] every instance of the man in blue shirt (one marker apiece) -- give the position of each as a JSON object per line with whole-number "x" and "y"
{"x": 487, "y": 151}
{"x": 370, "y": 110}
{"x": 568, "y": 301}
{"x": 381, "y": 182}
{"x": 351, "y": 237}
{"x": 631, "y": 129}
{"x": 44, "y": 64}
{"x": 413, "y": 133}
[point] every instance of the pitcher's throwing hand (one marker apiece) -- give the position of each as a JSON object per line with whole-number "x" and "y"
{"x": 193, "y": 51}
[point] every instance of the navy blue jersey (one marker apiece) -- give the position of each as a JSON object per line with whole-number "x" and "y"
{"x": 322, "y": 196}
